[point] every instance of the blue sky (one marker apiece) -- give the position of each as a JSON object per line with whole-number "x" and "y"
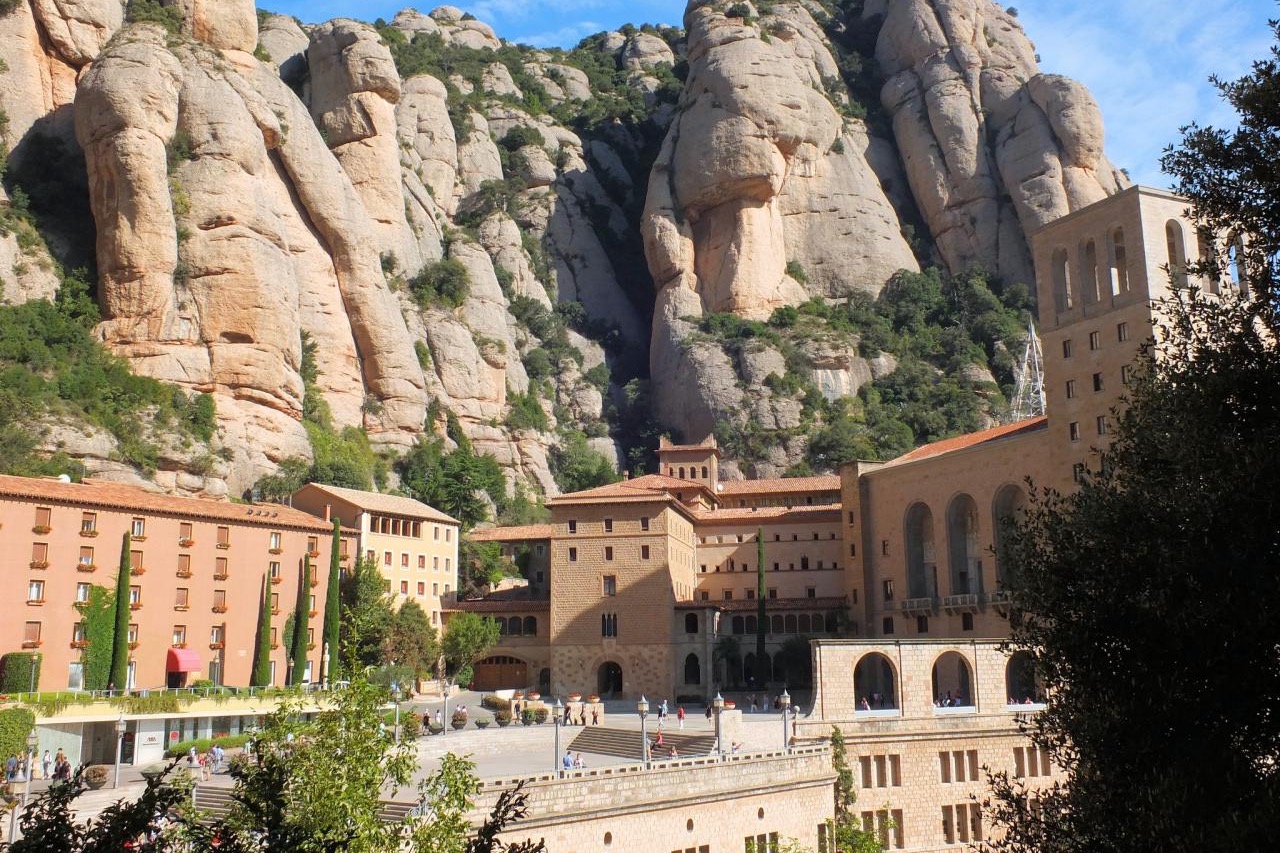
{"x": 1146, "y": 61}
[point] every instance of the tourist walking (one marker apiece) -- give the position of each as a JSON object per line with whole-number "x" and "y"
{"x": 680, "y": 716}
{"x": 46, "y": 764}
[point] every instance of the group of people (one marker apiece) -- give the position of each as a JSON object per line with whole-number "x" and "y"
{"x": 206, "y": 763}
{"x": 949, "y": 701}
{"x": 573, "y": 762}
{"x": 658, "y": 748}
{"x": 55, "y": 767}
{"x": 759, "y": 703}
{"x": 664, "y": 712}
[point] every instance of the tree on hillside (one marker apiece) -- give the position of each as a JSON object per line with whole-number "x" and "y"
{"x": 467, "y": 637}
{"x": 260, "y": 676}
{"x": 118, "y": 676}
{"x": 365, "y": 617}
{"x": 480, "y": 564}
{"x": 332, "y": 604}
{"x": 1149, "y": 598}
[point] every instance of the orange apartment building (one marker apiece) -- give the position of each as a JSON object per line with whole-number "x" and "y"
{"x": 198, "y": 567}
{"x": 645, "y": 577}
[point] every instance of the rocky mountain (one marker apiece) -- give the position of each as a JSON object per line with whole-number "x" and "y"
{"x": 411, "y": 229}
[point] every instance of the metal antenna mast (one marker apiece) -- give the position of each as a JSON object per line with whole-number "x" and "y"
{"x": 1028, "y": 398}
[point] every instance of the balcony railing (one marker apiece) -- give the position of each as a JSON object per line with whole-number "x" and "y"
{"x": 1000, "y": 601}
{"x": 919, "y": 606}
{"x": 963, "y": 603}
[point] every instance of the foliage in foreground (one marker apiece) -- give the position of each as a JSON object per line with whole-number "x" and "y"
{"x": 314, "y": 786}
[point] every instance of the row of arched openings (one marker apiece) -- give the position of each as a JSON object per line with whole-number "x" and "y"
{"x": 790, "y": 623}
{"x": 964, "y": 543}
{"x": 875, "y": 682}
{"x": 517, "y": 626}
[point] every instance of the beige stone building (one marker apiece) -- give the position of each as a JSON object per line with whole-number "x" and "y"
{"x": 414, "y": 545}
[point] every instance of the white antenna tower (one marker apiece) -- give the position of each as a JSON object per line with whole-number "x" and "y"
{"x": 1028, "y": 398}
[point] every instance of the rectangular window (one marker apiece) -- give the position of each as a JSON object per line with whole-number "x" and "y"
{"x": 728, "y": 595}
{"x": 609, "y": 585}
{"x": 751, "y": 593}
{"x": 573, "y": 526}
{"x": 82, "y": 592}
{"x": 35, "y": 592}
{"x": 133, "y": 634}
{"x": 404, "y": 561}
{"x": 215, "y": 635}
{"x": 1071, "y": 389}
{"x": 224, "y": 537}
{"x": 1073, "y": 430}
{"x": 608, "y": 624}
{"x": 1125, "y": 374}
{"x": 1122, "y": 332}
{"x": 888, "y": 590}
{"x": 184, "y": 532}
{"x": 608, "y": 525}
{"x": 435, "y": 564}
{"x": 275, "y": 540}
{"x": 179, "y": 635}
{"x": 275, "y": 602}
{"x": 447, "y": 565}
{"x": 435, "y": 532}
{"x": 39, "y": 554}
{"x": 573, "y": 555}
{"x": 773, "y": 593}
{"x": 1066, "y": 348}
{"x": 887, "y": 625}
{"x": 644, "y": 552}
{"x": 608, "y": 552}
{"x": 138, "y": 528}
{"x": 182, "y": 598}
{"x": 1077, "y": 472}
{"x": 220, "y": 599}
{"x": 884, "y": 548}
{"x": 88, "y": 522}
{"x": 78, "y": 633}
{"x": 220, "y": 569}
{"x": 386, "y": 558}
{"x": 404, "y": 587}
{"x": 966, "y": 621}
{"x": 922, "y": 624}
{"x": 135, "y": 560}
{"x": 1097, "y": 382}
{"x": 1102, "y": 424}
{"x": 448, "y": 534}
{"x": 86, "y": 555}
{"x": 422, "y": 562}
{"x": 274, "y": 570}
{"x": 1095, "y": 341}
{"x": 44, "y": 518}
{"x": 704, "y": 596}
{"x": 31, "y": 635}
{"x": 810, "y": 592}
{"x": 184, "y": 565}
{"x": 644, "y": 523}
{"x": 422, "y": 588}
{"x": 135, "y": 595}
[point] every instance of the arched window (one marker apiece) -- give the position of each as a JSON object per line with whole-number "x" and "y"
{"x": 1235, "y": 266}
{"x": 515, "y": 627}
{"x": 789, "y": 624}
{"x": 1061, "y": 280}
{"x": 692, "y": 670}
{"x": 1009, "y": 503}
{"x": 502, "y": 627}
{"x": 1207, "y": 252}
{"x": 819, "y": 624}
{"x": 691, "y": 623}
{"x": 1088, "y": 272}
{"x": 738, "y": 626}
{"x": 1119, "y": 263}
{"x": 681, "y": 472}
{"x": 804, "y": 625}
{"x": 751, "y": 624}
{"x": 704, "y": 472}
{"x": 962, "y": 546}
{"x": 531, "y": 626}
{"x": 922, "y": 568}
{"x": 1022, "y": 684}
{"x": 775, "y": 624}
{"x": 952, "y": 681}
{"x": 874, "y": 683}
{"x": 1177, "y": 252}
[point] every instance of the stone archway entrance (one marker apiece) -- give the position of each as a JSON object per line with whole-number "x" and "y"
{"x": 609, "y": 679}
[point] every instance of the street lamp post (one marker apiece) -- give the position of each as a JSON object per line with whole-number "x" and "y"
{"x": 120, "y": 728}
{"x": 35, "y": 665}
{"x": 642, "y": 708}
{"x": 19, "y": 787}
{"x": 33, "y": 741}
{"x": 785, "y": 701}
{"x": 717, "y": 705}
{"x": 395, "y": 697}
{"x": 557, "y": 717}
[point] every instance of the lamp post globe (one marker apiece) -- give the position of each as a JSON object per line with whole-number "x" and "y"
{"x": 785, "y": 702}
{"x": 642, "y": 708}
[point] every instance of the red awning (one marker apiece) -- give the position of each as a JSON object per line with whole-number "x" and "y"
{"x": 183, "y": 660}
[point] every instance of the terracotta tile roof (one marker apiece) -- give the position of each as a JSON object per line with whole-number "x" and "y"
{"x": 781, "y": 485}
{"x": 770, "y": 513}
{"x": 517, "y": 533}
{"x": 499, "y": 605}
{"x": 973, "y": 439}
{"x": 772, "y": 605}
{"x": 377, "y": 502}
{"x": 649, "y": 486}
{"x": 100, "y": 493}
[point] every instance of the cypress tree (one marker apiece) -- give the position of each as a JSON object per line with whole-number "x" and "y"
{"x": 302, "y": 621}
{"x": 331, "y": 602}
{"x": 760, "y": 614}
{"x": 261, "y": 676}
{"x": 118, "y": 676}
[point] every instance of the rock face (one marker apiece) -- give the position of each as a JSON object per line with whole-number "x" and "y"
{"x": 992, "y": 147}
{"x": 252, "y": 187}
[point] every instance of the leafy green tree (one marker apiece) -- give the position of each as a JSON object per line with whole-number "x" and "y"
{"x": 118, "y": 677}
{"x": 411, "y": 640}
{"x": 332, "y": 602}
{"x": 365, "y": 617}
{"x": 576, "y": 466}
{"x": 480, "y": 564}
{"x": 299, "y": 648}
{"x": 848, "y": 836}
{"x": 98, "y": 615}
{"x": 261, "y": 674}
{"x": 467, "y": 638}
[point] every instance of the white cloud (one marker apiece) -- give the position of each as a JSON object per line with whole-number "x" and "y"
{"x": 567, "y": 35}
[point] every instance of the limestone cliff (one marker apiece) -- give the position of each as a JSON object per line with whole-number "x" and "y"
{"x": 446, "y": 224}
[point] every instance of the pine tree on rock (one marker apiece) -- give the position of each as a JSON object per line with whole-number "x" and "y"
{"x": 261, "y": 676}
{"x": 332, "y": 604}
{"x": 302, "y": 621}
{"x": 118, "y": 677}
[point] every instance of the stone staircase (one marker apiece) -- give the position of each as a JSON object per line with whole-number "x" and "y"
{"x": 215, "y": 801}
{"x": 625, "y": 743}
